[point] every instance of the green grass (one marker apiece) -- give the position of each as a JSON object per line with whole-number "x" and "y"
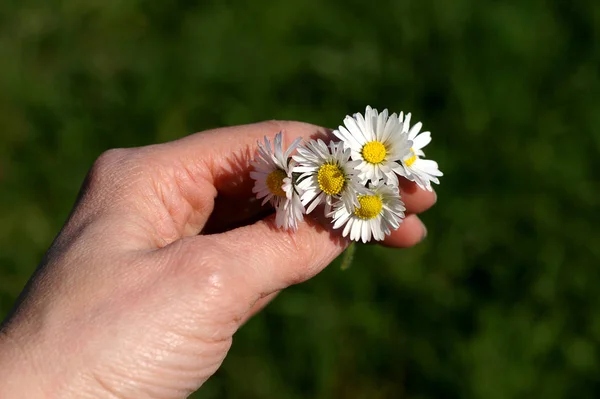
{"x": 501, "y": 300}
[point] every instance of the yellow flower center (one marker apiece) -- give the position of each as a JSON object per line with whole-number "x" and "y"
{"x": 331, "y": 179}
{"x": 275, "y": 182}
{"x": 412, "y": 159}
{"x": 370, "y": 207}
{"x": 373, "y": 152}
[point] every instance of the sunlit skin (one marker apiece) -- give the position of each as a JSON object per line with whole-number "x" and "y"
{"x": 163, "y": 258}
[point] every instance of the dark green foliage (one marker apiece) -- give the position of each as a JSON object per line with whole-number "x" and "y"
{"x": 501, "y": 300}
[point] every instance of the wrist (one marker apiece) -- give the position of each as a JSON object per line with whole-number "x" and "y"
{"x": 32, "y": 369}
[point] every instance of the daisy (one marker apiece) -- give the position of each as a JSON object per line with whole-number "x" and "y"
{"x": 376, "y": 140}
{"x": 414, "y": 168}
{"x": 326, "y": 174}
{"x": 274, "y": 183}
{"x": 378, "y": 211}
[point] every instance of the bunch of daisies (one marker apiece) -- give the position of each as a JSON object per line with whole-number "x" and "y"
{"x": 355, "y": 177}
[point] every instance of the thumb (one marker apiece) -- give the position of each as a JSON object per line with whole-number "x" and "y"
{"x": 270, "y": 259}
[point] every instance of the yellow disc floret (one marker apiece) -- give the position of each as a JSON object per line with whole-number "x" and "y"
{"x": 370, "y": 207}
{"x": 331, "y": 179}
{"x": 373, "y": 152}
{"x": 412, "y": 159}
{"x": 275, "y": 182}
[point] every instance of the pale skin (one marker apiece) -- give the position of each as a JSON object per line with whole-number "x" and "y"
{"x": 164, "y": 256}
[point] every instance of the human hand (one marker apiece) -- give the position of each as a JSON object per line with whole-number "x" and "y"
{"x": 164, "y": 256}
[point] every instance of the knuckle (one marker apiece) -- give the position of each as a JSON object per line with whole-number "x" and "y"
{"x": 221, "y": 290}
{"x": 119, "y": 168}
{"x": 106, "y": 166}
{"x": 110, "y": 177}
{"x": 111, "y": 157}
{"x": 213, "y": 279}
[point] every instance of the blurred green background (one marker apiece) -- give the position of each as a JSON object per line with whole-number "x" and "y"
{"x": 500, "y": 301}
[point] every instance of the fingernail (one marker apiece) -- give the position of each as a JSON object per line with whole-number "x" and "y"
{"x": 424, "y": 231}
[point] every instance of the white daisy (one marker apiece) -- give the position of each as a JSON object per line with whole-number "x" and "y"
{"x": 273, "y": 181}
{"x": 414, "y": 168}
{"x": 380, "y": 209}
{"x": 326, "y": 174}
{"x": 376, "y": 140}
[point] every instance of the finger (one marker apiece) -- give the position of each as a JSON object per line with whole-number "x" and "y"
{"x": 226, "y": 152}
{"x": 263, "y": 259}
{"x": 416, "y": 199}
{"x": 258, "y": 306}
{"x": 411, "y": 232}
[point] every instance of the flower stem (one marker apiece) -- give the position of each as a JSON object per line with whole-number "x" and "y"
{"x": 348, "y": 256}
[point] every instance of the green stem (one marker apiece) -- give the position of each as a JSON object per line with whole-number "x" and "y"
{"x": 348, "y": 256}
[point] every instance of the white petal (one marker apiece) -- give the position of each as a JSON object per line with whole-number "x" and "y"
{"x": 347, "y": 228}
{"x": 342, "y": 219}
{"x": 292, "y": 147}
{"x": 303, "y": 169}
{"x": 355, "y": 130}
{"x": 258, "y": 175}
{"x": 316, "y": 202}
{"x": 429, "y": 166}
{"x": 355, "y": 232}
{"x": 391, "y": 178}
{"x": 366, "y": 233}
{"x": 414, "y": 130}
{"x": 421, "y": 140}
{"x": 380, "y": 125}
{"x": 390, "y": 129}
{"x": 364, "y": 123}
{"x": 348, "y": 139}
{"x": 406, "y": 123}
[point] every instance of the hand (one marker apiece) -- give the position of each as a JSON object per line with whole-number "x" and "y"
{"x": 164, "y": 256}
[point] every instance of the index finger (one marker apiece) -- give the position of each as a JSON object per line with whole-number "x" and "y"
{"x": 225, "y": 153}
